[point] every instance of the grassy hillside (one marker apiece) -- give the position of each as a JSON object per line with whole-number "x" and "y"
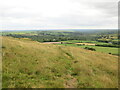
{"x": 36, "y": 65}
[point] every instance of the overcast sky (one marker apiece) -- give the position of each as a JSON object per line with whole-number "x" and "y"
{"x": 58, "y": 14}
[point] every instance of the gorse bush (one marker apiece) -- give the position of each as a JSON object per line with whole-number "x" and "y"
{"x": 88, "y": 48}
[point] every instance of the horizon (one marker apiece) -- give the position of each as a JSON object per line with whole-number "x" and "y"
{"x": 60, "y": 30}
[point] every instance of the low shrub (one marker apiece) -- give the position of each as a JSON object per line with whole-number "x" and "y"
{"x": 89, "y": 48}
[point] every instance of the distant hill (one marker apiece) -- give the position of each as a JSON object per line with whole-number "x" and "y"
{"x": 30, "y": 64}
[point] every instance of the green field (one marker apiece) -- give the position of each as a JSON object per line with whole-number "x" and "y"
{"x": 108, "y": 50}
{"x": 82, "y": 41}
{"x": 19, "y": 33}
{"x": 79, "y": 41}
{"x": 111, "y": 50}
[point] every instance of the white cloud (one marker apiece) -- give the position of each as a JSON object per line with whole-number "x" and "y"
{"x": 50, "y": 14}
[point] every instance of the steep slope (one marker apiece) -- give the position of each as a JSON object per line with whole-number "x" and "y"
{"x": 36, "y": 65}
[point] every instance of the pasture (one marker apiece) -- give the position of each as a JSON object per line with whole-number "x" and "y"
{"x": 107, "y": 50}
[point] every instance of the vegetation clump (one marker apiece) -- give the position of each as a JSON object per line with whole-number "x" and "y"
{"x": 88, "y": 48}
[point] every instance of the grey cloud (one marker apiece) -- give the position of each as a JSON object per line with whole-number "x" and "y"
{"x": 107, "y": 8}
{"x": 110, "y": 8}
{"x": 78, "y": 20}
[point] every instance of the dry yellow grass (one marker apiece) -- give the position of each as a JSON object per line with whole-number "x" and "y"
{"x": 33, "y": 64}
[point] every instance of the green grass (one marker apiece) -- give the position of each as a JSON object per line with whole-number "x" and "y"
{"x": 19, "y": 32}
{"x": 107, "y": 50}
{"x": 111, "y": 50}
{"x": 30, "y": 64}
{"x": 77, "y": 41}
{"x": 81, "y": 41}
